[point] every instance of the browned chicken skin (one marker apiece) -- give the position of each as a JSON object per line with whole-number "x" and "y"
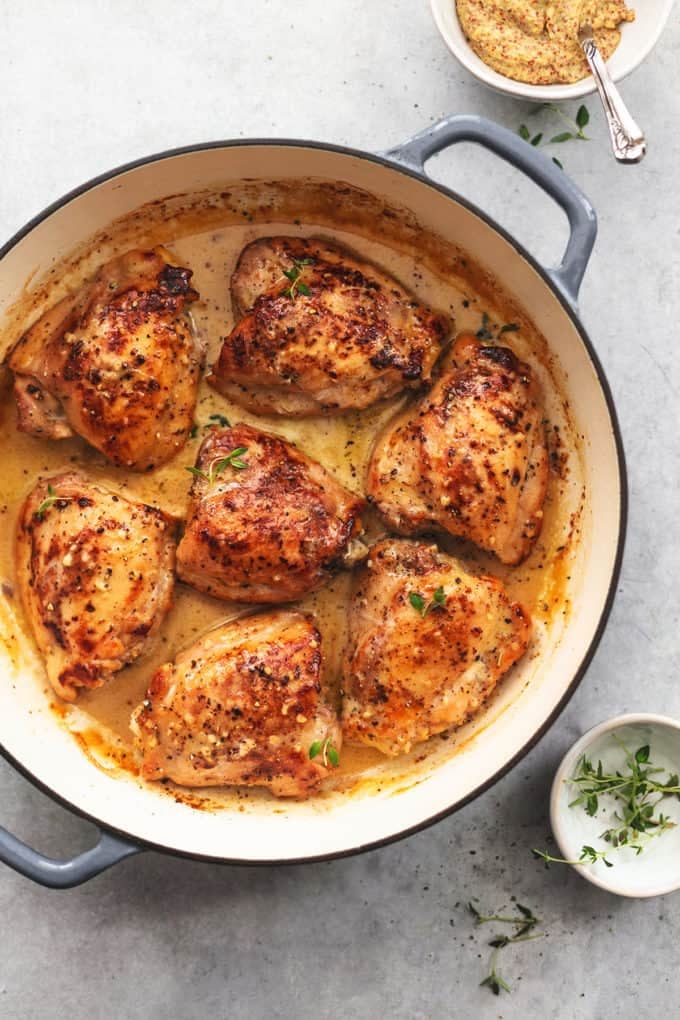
{"x": 116, "y": 361}
{"x": 242, "y": 706}
{"x": 470, "y": 457}
{"x": 95, "y": 574}
{"x": 270, "y": 524}
{"x": 412, "y": 671}
{"x": 342, "y": 335}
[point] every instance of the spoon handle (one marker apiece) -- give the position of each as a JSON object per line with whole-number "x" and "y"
{"x": 628, "y": 141}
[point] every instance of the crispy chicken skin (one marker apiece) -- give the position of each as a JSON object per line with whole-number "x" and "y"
{"x": 117, "y": 362}
{"x": 242, "y": 707}
{"x": 470, "y": 457}
{"x": 270, "y": 530}
{"x": 343, "y": 336}
{"x": 95, "y": 574}
{"x": 408, "y": 676}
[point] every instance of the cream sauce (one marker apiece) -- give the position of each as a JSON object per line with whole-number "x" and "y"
{"x": 342, "y": 443}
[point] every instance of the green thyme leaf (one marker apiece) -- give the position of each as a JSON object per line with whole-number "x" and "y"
{"x": 582, "y": 117}
{"x": 333, "y": 756}
{"x": 423, "y": 607}
{"x": 523, "y": 132}
{"x": 536, "y": 140}
{"x": 564, "y": 136}
{"x": 484, "y": 333}
{"x": 557, "y": 162}
{"x": 495, "y": 982}
{"x": 48, "y": 502}
{"x": 221, "y": 420}
{"x": 197, "y": 472}
{"x": 315, "y": 749}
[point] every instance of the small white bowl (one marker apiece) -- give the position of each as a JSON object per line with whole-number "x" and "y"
{"x": 656, "y": 870}
{"x": 637, "y": 40}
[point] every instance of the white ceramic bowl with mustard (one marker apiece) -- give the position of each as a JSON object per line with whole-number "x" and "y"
{"x": 638, "y": 38}
{"x": 654, "y": 871}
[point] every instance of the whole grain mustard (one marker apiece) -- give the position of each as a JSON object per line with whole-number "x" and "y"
{"x": 536, "y": 41}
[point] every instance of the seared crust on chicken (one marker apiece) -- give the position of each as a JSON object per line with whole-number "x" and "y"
{"x": 342, "y": 334}
{"x": 266, "y": 524}
{"x": 117, "y": 362}
{"x": 470, "y": 457}
{"x": 242, "y": 706}
{"x": 95, "y": 575}
{"x": 428, "y": 644}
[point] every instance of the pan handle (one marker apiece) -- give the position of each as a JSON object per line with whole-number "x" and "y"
{"x": 414, "y": 153}
{"x": 64, "y": 874}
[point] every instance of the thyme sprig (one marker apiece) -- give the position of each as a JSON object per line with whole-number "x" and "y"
{"x": 523, "y": 925}
{"x": 294, "y": 274}
{"x": 422, "y": 606}
{"x": 638, "y": 794}
{"x": 233, "y": 459}
{"x": 575, "y": 131}
{"x": 327, "y": 750}
{"x": 49, "y": 501}
{"x": 485, "y": 331}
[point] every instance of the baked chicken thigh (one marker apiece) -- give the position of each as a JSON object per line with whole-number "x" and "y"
{"x": 321, "y": 331}
{"x": 243, "y": 706}
{"x": 470, "y": 457}
{"x": 117, "y": 362}
{"x": 266, "y": 523}
{"x": 95, "y": 575}
{"x": 428, "y": 643}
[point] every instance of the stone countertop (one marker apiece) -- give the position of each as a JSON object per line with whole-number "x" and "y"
{"x": 87, "y": 86}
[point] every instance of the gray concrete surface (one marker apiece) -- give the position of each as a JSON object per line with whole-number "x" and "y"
{"x": 88, "y": 84}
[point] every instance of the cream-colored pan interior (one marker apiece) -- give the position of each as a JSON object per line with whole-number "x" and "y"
{"x": 220, "y": 199}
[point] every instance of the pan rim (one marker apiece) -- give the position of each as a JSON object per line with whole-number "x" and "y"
{"x": 603, "y": 383}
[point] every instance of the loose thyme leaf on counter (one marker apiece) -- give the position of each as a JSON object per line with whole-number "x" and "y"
{"x": 523, "y": 933}
{"x": 574, "y": 133}
{"x": 638, "y": 793}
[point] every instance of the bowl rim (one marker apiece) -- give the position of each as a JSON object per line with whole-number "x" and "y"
{"x": 607, "y": 881}
{"x": 467, "y": 57}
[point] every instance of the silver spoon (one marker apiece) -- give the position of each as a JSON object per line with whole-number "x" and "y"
{"x": 628, "y": 141}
